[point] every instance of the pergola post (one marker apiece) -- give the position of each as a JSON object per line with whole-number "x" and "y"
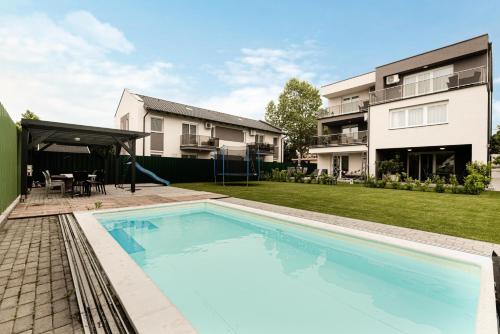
{"x": 24, "y": 161}
{"x": 131, "y": 145}
{"x": 117, "y": 163}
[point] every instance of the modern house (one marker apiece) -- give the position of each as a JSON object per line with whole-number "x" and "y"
{"x": 184, "y": 131}
{"x": 430, "y": 112}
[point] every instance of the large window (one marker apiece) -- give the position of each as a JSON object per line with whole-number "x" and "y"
{"x": 419, "y": 116}
{"x": 189, "y": 129}
{"x": 427, "y": 82}
{"x": 124, "y": 122}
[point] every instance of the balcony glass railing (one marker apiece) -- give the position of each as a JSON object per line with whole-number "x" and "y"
{"x": 344, "y": 108}
{"x": 262, "y": 148}
{"x": 189, "y": 140}
{"x": 442, "y": 83}
{"x": 340, "y": 139}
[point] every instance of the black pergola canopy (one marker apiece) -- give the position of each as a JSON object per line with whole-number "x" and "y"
{"x": 35, "y": 132}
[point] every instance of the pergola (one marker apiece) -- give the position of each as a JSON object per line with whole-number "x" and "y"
{"x": 36, "y": 132}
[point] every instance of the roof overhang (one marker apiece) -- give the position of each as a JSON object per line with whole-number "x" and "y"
{"x": 347, "y": 86}
{"x": 76, "y": 135}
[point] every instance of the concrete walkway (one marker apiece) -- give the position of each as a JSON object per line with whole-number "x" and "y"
{"x": 36, "y": 289}
{"x": 495, "y": 179}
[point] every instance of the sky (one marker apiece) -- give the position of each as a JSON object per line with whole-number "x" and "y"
{"x": 69, "y": 61}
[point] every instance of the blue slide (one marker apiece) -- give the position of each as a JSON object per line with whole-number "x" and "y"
{"x": 150, "y": 174}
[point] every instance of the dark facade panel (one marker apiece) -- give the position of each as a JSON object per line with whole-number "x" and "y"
{"x": 474, "y": 46}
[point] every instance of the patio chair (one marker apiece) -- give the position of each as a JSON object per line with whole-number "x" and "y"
{"x": 81, "y": 185}
{"x": 49, "y": 184}
{"x": 98, "y": 182}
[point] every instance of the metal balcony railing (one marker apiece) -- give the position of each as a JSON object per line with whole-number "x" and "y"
{"x": 262, "y": 148}
{"x": 455, "y": 80}
{"x": 344, "y": 108}
{"x": 199, "y": 141}
{"x": 340, "y": 139}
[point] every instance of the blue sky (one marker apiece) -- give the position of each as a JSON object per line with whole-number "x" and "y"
{"x": 70, "y": 60}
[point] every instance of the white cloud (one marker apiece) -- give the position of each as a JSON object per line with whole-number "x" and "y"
{"x": 105, "y": 35}
{"x": 64, "y": 71}
{"x": 258, "y": 76}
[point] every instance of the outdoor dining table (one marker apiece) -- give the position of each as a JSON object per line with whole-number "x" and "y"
{"x": 68, "y": 179}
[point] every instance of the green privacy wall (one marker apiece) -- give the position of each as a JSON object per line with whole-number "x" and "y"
{"x": 172, "y": 169}
{"x": 9, "y": 160}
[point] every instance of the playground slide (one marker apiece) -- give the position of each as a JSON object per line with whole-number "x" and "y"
{"x": 150, "y": 174}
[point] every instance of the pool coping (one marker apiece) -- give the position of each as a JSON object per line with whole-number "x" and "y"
{"x": 151, "y": 311}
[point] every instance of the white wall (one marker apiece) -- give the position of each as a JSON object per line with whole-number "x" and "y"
{"x": 467, "y": 124}
{"x": 325, "y": 161}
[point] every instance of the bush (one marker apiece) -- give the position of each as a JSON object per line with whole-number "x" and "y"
{"x": 278, "y": 175}
{"x": 381, "y": 183}
{"x": 455, "y": 188}
{"x": 496, "y": 161}
{"x": 391, "y": 166}
{"x": 394, "y": 181}
{"x": 410, "y": 184}
{"x": 440, "y": 184}
{"x": 298, "y": 177}
{"x": 481, "y": 168}
{"x": 371, "y": 182}
{"x": 418, "y": 185}
{"x": 426, "y": 185}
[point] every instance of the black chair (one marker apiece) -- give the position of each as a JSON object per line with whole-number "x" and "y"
{"x": 81, "y": 184}
{"x": 98, "y": 182}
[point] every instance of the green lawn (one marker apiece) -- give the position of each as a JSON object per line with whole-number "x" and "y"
{"x": 467, "y": 216}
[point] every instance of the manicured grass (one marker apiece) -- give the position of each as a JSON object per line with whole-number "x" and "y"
{"x": 467, "y": 216}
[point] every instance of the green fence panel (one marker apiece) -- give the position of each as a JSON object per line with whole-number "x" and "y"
{"x": 9, "y": 160}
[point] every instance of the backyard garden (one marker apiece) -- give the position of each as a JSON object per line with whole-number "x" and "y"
{"x": 456, "y": 214}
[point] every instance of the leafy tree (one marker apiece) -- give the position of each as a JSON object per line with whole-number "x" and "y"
{"x": 495, "y": 142}
{"x": 296, "y": 113}
{"x": 28, "y": 114}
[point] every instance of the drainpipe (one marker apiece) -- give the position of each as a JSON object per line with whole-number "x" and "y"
{"x": 144, "y": 130}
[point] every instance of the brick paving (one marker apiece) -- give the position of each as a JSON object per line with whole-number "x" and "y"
{"x": 441, "y": 240}
{"x": 36, "y": 289}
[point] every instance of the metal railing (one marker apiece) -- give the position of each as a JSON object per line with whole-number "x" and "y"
{"x": 340, "y": 139}
{"x": 199, "y": 141}
{"x": 262, "y": 148}
{"x": 344, "y": 108}
{"x": 454, "y": 80}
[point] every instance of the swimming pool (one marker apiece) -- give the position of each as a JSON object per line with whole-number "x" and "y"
{"x": 229, "y": 270}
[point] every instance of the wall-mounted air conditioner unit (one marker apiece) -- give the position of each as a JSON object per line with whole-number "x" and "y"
{"x": 208, "y": 125}
{"x": 392, "y": 79}
{"x": 253, "y": 132}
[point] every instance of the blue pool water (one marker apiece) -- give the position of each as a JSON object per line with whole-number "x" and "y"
{"x": 229, "y": 271}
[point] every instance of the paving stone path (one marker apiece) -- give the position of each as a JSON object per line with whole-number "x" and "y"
{"x": 36, "y": 289}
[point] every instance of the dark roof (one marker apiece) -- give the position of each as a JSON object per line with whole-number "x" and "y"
{"x": 160, "y": 105}
{"x": 65, "y": 134}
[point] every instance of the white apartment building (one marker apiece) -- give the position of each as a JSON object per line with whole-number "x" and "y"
{"x": 431, "y": 112}
{"x": 183, "y": 131}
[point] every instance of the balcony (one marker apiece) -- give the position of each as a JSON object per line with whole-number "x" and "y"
{"x": 262, "y": 148}
{"x": 452, "y": 81}
{"x": 198, "y": 142}
{"x": 340, "y": 139}
{"x": 344, "y": 109}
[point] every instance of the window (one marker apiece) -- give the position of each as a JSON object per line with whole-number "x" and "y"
{"x": 124, "y": 122}
{"x": 156, "y": 124}
{"x": 156, "y": 134}
{"x": 436, "y": 114}
{"x": 189, "y": 129}
{"x": 418, "y": 116}
{"x": 259, "y": 138}
{"x": 229, "y": 134}
{"x": 415, "y": 116}
{"x": 398, "y": 119}
{"x": 427, "y": 82}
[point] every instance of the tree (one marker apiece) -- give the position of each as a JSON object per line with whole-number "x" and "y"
{"x": 296, "y": 113}
{"x": 28, "y": 114}
{"x": 495, "y": 142}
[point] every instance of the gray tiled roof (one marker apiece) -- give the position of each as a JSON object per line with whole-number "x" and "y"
{"x": 156, "y": 104}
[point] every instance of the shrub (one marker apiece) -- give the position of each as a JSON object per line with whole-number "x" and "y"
{"x": 298, "y": 177}
{"x": 394, "y": 181}
{"x": 426, "y": 185}
{"x": 410, "y": 184}
{"x": 371, "y": 182}
{"x": 496, "y": 160}
{"x": 391, "y": 166}
{"x": 481, "y": 168}
{"x": 440, "y": 184}
{"x": 454, "y": 184}
{"x": 381, "y": 183}
{"x": 418, "y": 185}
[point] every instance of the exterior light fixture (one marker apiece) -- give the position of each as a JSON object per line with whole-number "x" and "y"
{"x": 442, "y": 148}
{"x": 77, "y": 138}
{"x": 409, "y": 150}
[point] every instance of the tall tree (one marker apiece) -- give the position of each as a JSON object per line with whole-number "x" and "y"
{"x": 296, "y": 113}
{"x": 28, "y": 114}
{"x": 495, "y": 142}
